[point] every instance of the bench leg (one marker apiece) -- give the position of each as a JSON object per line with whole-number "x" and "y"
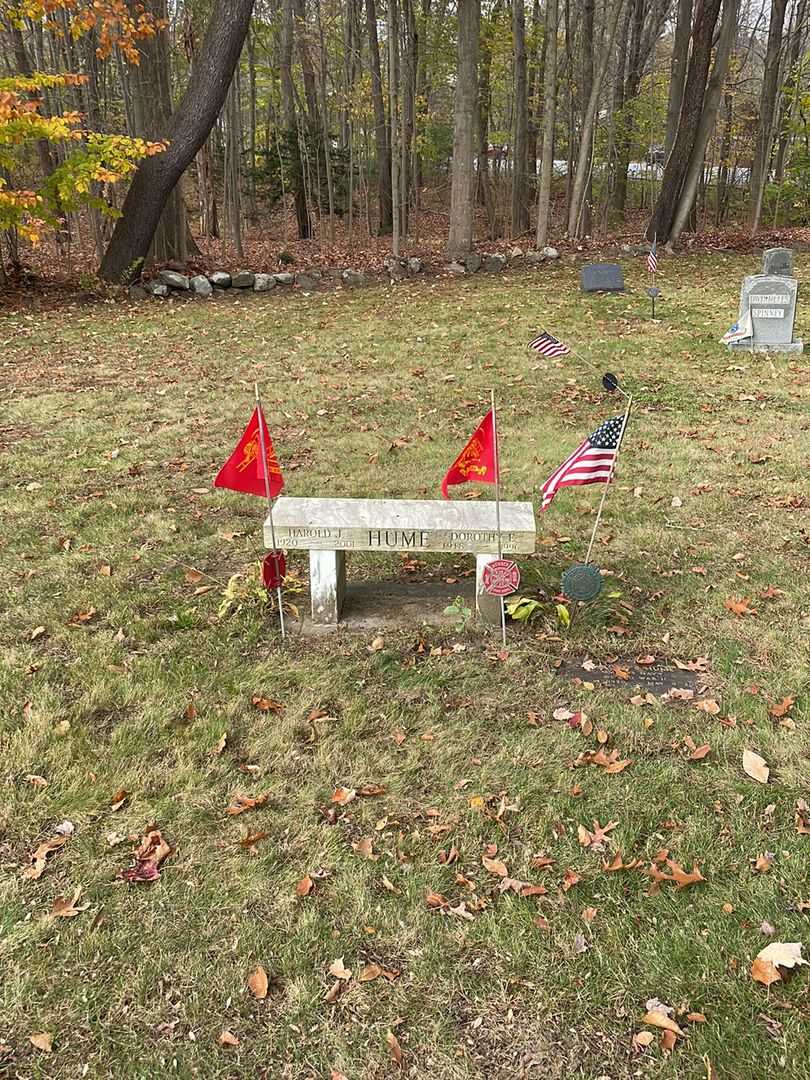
{"x": 327, "y": 585}
{"x": 488, "y": 607}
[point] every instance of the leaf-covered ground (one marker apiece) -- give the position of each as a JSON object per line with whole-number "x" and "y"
{"x": 386, "y": 918}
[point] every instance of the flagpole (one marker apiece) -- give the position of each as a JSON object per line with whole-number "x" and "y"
{"x": 652, "y": 272}
{"x": 610, "y": 477}
{"x": 498, "y": 504}
{"x": 266, "y": 472}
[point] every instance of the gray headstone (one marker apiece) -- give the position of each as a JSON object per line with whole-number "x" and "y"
{"x": 772, "y": 303}
{"x": 264, "y": 283}
{"x": 778, "y": 261}
{"x": 243, "y": 280}
{"x": 201, "y": 286}
{"x": 174, "y": 280}
{"x": 220, "y": 278}
{"x": 602, "y": 277}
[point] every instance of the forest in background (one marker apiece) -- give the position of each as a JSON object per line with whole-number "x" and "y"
{"x": 135, "y": 133}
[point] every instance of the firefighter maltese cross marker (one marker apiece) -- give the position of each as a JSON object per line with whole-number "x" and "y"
{"x": 501, "y": 577}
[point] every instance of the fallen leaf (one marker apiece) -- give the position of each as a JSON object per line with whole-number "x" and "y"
{"x": 227, "y": 1038}
{"x": 369, "y": 972}
{"x": 783, "y": 707}
{"x": 343, "y": 795}
{"x": 589, "y": 914}
{"x": 495, "y": 866}
{"x": 149, "y": 855}
{"x": 700, "y": 752}
{"x": 241, "y": 803}
{"x": 219, "y": 745}
{"x": 305, "y": 886}
{"x": 436, "y": 900}
{"x": 376, "y": 645}
{"x": 118, "y": 799}
{"x": 365, "y": 848}
{"x": 38, "y": 631}
{"x": 802, "y": 817}
{"x": 708, "y": 705}
{"x": 668, "y": 1041}
{"x": 755, "y": 767}
{"x": 763, "y": 862}
{"x": 265, "y": 704}
{"x": 643, "y": 1039}
{"x": 338, "y": 970}
{"x": 36, "y": 781}
{"x": 257, "y": 983}
{"x": 785, "y": 954}
{"x": 740, "y": 607}
{"x": 252, "y": 838}
{"x": 64, "y": 907}
{"x": 656, "y": 1018}
{"x": 696, "y": 1018}
{"x": 394, "y": 1047}
{"x": 65, "y": 828}
{"x": 571, "y": 878}
{"x": 728, "y": 908}
{"x": 42, "y": 1040}
{"x": 39, "y": 858}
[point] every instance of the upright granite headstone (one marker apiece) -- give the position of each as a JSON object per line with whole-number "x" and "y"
{"x": 771, "y": 300}
{"x": 778, "y": 261}
{"x": 602, "y": 277}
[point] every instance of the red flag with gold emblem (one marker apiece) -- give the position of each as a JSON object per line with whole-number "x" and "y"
{"x": 244, "y": 470}
{"x": 477, "y": 461}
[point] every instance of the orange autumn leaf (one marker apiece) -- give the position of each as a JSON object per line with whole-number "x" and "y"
{"x": 783, "y": 707}
{"x": 305, "y": 886}
{"x": 495, "y": 866}
{"x": 241, "y": 803}
{"x": 265, "y": 704}
{"x": 571, "y": 878}
{"x": 659, "y": 1019}
{"x": 394, "y": 1047}
{"x": 258, "y": 984}
{"x": 740, "y": 607}
{"x": 343, "y": 795}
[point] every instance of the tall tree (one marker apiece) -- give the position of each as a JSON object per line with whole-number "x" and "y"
{"x": 463, "y": 179}
{"x": 677, "y": 74}
{"x": 380, "y": 124}
{"x": 549, "y": 119}
{"x": 190, "y": 125}
{"x": 520, "y": 146}
{"x": 694, "y": 94}
{"x": 292, "y": 134}
{"x": 767, "y": 112}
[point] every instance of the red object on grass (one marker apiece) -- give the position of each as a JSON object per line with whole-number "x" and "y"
{"x": 274, "y": 567}
{"x": 244, "y": 469}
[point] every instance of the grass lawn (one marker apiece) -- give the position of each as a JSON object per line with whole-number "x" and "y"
{"x": 120, "y": 673}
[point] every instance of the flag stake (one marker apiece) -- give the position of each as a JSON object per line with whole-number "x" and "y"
{"x": 498, "y": 505}
{"x": 266, "y": 472}
{"x": 607, "y": 482}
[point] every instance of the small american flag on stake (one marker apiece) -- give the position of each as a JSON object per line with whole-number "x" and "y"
{"x": 652, "y": 258}
{"x": 592, "y": 462}
{"x": 548, "y": 345}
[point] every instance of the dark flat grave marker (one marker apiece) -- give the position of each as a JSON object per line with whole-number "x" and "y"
{"x": 602, "y": 277}
{"x": 654, "y": 679}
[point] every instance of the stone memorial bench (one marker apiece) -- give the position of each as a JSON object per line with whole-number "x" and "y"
{"x": 328, "y": 528}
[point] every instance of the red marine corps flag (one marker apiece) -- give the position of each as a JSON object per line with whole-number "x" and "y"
{"x": 245, "y": 469}
{"x": 478, "y": 461}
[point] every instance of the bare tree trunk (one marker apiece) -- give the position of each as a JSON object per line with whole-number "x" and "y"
{"x": 393, "y": 116}
{"x": 520, "y": 205}
{"x": 290, "y": 119}
{"x": 233, "y": 170}
{"x": 792, "y": 68}
{"x": 694, "y": 172}
{"x": 549, "y": 118}
{"x": 380, "y": 124}
{"x": 156, "y": 177}
{"x": 677, "y": 78}
{"x": 579, "y": 189}
{"x": 694, "y": 94}
{"x": 767, "y": 113}
{"x": 585, "y": 149}
{"x": 462, "y": 186}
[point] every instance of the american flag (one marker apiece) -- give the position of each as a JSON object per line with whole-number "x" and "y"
{"x": 548, "y": 345}
{"x": 652, "y": 258}
{"x": 592, "y": 461}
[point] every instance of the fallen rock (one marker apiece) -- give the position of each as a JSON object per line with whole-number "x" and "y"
{"x": 494, "y": 262}
{"x": 305, "y": 281}
{"x": 551, "y": 253}
{"x": 334, "y": 273}
{"x": 221, "y": 279}
{"x": 414, "y": 265}
{"x": 174, "y": 280}
{"x": 201, "y": 286}
{"x": 137, "y": 292}
{"x": 157, "y": 288}
{"x": 516, "y": 253}
{"x": 353, "y": 278}
{"x": 535, "y": 258}
{"x": 472, "y": 263}
{"x": 243, "y": 280}
{"x": 457, "y": 268}
{"x": 264, "y": 282}
{"x": 284, "y": 278}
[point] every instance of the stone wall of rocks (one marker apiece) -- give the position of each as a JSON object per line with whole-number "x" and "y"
{"x": 170, "y": 282}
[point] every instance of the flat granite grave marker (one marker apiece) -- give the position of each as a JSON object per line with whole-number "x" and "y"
{"x": 778, "y": 261}
{"x": 328, "y": 528}
{"x": 602, "y": 277}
